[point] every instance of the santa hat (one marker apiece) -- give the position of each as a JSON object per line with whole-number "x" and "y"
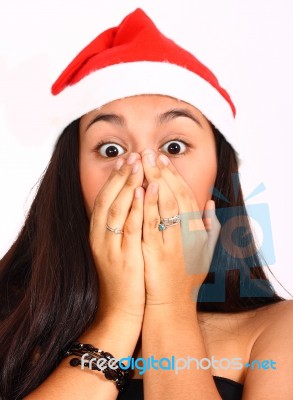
{"x": 135, "y": 58}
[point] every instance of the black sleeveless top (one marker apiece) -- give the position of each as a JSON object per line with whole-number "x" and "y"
{"x": 228, "y": 389}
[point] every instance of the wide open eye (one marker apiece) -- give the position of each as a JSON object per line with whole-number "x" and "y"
{"x": 110, "y": 150}
{"x": 174, "y": 147}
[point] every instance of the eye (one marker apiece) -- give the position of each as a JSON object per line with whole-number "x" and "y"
{"x": 110, "y": 150}
{"x": 174, "y": 147}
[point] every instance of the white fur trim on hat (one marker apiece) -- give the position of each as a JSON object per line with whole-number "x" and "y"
{"x": 136, "y": 78}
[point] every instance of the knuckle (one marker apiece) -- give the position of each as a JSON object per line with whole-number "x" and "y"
{"x": 153, "y": 222}
{"x": 152, "y": 202}
{"x": 156, "y": 175}
{"x": 111, "y": 258}
{"x": 182, "y": 192}
{"x": 130, "y": 182}
{"x": 95, "y": 250}
{"x": 101, "y": 201}
{"x": 115, "y": 210}
{"x": 123, "y": 171}
{"x": 171, "y": 204}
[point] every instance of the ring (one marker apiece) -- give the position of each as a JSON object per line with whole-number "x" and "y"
{"x": 165, "y": 222}
{"x": 115, "y": 230}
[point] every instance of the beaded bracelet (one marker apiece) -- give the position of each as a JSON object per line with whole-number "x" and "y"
{"x": 118, "y": 375}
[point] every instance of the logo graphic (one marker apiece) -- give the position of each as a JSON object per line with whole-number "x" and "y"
{"x": 245, "y": 242}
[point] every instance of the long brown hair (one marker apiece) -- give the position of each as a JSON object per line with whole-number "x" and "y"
{"x": 48, "y": 281}
{"x": 237, "y": 280}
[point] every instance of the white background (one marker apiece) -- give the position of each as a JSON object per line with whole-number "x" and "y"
{"x": 247, "y": 44}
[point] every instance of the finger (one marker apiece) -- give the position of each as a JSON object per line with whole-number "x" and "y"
{"x": 151, "y": 217}
{"x": 177, "y": 185}
{"x": 191, "y": 216}
{"x": 111, "y": 189}
{"x": 175, "y": 180}
{"x": 133, "y": 226}
{"x": 120, "y": 208}
{"x": 212, "y": 225}
{"x": 167, "y": 204}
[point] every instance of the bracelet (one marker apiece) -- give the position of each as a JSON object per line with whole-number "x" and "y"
{"x": 110, "y": 365}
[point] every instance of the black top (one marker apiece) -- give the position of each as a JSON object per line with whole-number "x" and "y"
{"x": 228, "y": 389}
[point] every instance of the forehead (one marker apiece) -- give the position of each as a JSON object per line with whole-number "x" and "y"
{"x": 143, "y": 106}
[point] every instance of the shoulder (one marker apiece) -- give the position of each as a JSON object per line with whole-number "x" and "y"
{"x": 275, "y": 315}
{"x": 276, "y": 326}
{"x": 270, "y": 371}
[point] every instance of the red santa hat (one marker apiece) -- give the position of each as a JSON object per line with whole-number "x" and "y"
{"x": 135, "y": 58}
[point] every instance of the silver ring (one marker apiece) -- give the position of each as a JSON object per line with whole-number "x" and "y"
{"x": 165, "y": 222}
{"x": 176, "y": 219}
{"x": 115, "y": 230}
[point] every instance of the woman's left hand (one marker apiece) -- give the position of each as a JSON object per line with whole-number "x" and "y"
{"x": 178, "y": 258}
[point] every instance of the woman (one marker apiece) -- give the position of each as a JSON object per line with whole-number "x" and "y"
{"x": 118, "y": 243}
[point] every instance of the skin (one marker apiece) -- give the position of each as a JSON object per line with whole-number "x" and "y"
{"x": 171, "y": 188}
{"x": 145, "y": 290}
{"x": 143, "y": 131}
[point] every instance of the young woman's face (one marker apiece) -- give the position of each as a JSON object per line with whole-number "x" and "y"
{"x": 163, "y": 124}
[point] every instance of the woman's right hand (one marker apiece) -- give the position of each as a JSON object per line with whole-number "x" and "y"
{"x": 120, "y": 267}
{"x": 118, "y": 257}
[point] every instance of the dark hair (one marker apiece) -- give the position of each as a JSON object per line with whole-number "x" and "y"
{"x": 237, "y": 280}
{"x": 48, "y": 281}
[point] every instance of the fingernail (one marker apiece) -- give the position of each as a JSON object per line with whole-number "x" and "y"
{"x": 135, "y": 168}
{"x": 131, "y": 158}
{"x": 154, "y": 187}
{"x": 151, "y": 159}
{"x": 164, "y": 159}
{"x": 119, "y": 163}
{"x": 138, "y": 192}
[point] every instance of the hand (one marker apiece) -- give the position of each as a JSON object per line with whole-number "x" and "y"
{"x": 177, "y": 259}
{"x": 118, "y": 257}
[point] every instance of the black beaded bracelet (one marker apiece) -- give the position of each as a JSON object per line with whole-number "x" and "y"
{"x": 112, "y": 372}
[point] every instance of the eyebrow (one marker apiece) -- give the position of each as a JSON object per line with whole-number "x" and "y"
{"x": 161, "y": 118}
{"x": 112, "y": 118}
{"x": 175, "y": 113}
